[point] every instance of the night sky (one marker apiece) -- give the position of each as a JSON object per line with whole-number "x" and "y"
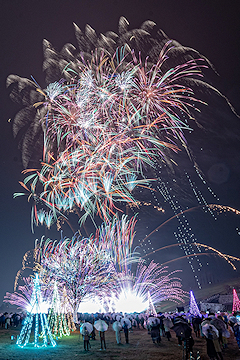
{"x": 212, "y": 28}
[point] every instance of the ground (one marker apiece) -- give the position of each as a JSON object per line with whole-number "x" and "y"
{"x": 140, "y": 348}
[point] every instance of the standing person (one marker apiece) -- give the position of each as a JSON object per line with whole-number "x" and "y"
{"x": 211, "y": 351}
{"x": 158, "y": 332}
{"x": 220, "y": 326}
{"x": 196, "y": 325}
{"x": 142, "y": 322}
{"x": 7, "y": 322}
{"x": 102, "y": 339}
{"x": 2, "y": 320}
{"x": 93, "y": 333}
{"x": 223, "y": 332}
{"x": 86, "y": 339}
{"x": 236, "y": 330}
{"x": 216, "y": 343}
{"x": 118, "y": 336}
{"x": 167, "y": 323}
{"x": 188, "y": 345}
{"x": 225, "y": 336}
{"x": 162, "y": 330}
{"x": 155, "y": 332}
{"x": 125, "y": 329}
{"x": 138, "y": 321}
{"x": 117, "y": 328}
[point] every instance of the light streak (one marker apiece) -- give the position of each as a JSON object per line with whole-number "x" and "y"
{"x": 226, "y": 257}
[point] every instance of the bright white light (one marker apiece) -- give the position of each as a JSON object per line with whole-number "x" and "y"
{"x": 129, "y": 302}
{"x": 38, "y": 308}
{"x": 91, "y": 306}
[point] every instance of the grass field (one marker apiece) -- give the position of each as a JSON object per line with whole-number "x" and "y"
{"x": 140, "y": 348}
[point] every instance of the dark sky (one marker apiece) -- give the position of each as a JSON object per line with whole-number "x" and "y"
{"x": 211, "y": 27}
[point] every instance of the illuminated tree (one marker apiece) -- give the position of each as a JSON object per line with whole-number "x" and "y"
{"x": 193, "y": 308}
{"x": 236, "y": 302}
{"x": 151, "y": 308}
{"x": 67, "y": 310}
{"x": 56, "y": 317}
{"x": 79, "y": 266}
{"x": 38, "y": 318}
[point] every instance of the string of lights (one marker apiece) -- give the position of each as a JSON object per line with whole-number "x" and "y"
{"x": 41, "y": 322}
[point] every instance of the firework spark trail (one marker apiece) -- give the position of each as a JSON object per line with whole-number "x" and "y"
{"x": 116, "y": 238}
{"x": 113, "y": 243}
{"x": 89, "y": 189}
{"x": 113, "y": 239}
{"x": 171, "y": 218}
{"x": 100, "y": 265}
{"x": 214, "y": 207}
{"x": 22, "y": 297}
{"x": 185, "y": 257}
{"x": 152, "y": 280}
{"x": 220, "y": 254}
{"x": 223, "y": 208}
{"x": 131, "y": 93}
{"x": 226, "y": 257}
{"x": 110, "y": 120}
{"x": 218, "y": 207}
{"x": 29, "y": 261}
{"x": 155, "y": 279}
{"x": 100, "y": 97}
{"x": 112, "y": 113}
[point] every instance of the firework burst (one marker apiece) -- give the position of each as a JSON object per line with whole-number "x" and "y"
{"x": 110, "y": 114}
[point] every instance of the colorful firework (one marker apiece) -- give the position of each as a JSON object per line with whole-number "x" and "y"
{"x": 22, "y": 297}
{"x": 116, "y": 238}
{"x": 108, "y": 116}
{"x": 111, "y": 114}
{"x": 152, "y": 280}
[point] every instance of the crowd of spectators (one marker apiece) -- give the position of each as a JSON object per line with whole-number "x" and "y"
{"x": 11, "y": 319}
{"x": 215, "y": 328}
